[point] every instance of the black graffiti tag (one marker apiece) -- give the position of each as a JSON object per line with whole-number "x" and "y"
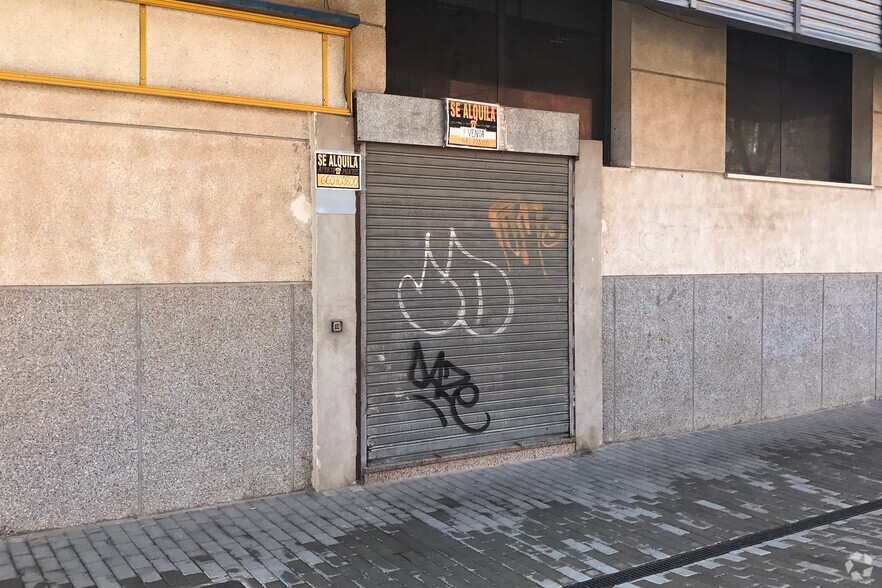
{"x": 440, "y": 379}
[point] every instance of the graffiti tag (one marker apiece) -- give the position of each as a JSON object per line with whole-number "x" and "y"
{"x": 444, "y": 377}
{"x": 444, "y": 276}
{"x": 524, "y": 228}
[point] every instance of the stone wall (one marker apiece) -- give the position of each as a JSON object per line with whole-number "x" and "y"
{"x": 157, "y": 260}
{"x": 123, "y": 401}
{"x": 727, "y": 299}
{"x": 683, "y": 353}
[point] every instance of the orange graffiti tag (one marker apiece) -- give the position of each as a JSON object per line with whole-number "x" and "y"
{"x": 524, "y": 226}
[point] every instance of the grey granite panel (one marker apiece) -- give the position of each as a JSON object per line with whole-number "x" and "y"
{"x": 849, "y": 339}
{"x": 653, "y": 363}
{"x": 728, "y": 350}
{"x": 68, "y": 432}
{"x": 302, "y": 398}
{"x": 386, "y": 118}
{"x": 792, "y": 323}
{"x": 608, "y": 314}
{"x": 539, "y": 131}
{"x": 218, "y": 381}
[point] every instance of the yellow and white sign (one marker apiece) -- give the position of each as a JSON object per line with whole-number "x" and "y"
{"x": 472, "y": 124}
{"x": 337, "y": 170}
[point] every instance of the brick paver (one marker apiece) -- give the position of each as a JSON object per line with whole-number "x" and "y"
{"x": 811, "y": 558}
{"x": 547, "y": 523}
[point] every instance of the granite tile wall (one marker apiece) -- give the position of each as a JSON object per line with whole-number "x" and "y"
{"x": 684, "y": 353}
{"x": 68, "y": 407}
{"x": 653, "y": 356}
{"x": 121, "y": 401}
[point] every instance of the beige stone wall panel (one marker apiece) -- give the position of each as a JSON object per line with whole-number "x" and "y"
{"x": 678, "y": 123}
{"x": 93, "y": 204}
{"x": 371, "y": 11}
{"x": 34, "y": 100}
{"x": 672, "y": 46}
{"x": 659, "y": 222}
{"x": 92, "y": 39}
{"x": 369, "y": 59}
{"x": 213, "y": 54}
{"x": 337, "y": 72}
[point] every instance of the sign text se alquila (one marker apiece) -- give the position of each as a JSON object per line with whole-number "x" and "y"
{"x": 472, "y": 124}
{"x": 338, "y": 170}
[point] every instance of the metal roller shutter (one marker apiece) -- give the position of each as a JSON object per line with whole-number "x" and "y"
{"x": 467, "y": 301}
{"x": 855, "y": 23}
{"x": 775, "y": 14}
{"x": 683, "y": 3}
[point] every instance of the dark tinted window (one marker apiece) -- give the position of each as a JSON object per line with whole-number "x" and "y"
{"x": 543, "y": 54}
{"x": 788, "y": 109}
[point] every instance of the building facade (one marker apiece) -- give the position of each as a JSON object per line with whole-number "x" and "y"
{"x": 676, "y": 230}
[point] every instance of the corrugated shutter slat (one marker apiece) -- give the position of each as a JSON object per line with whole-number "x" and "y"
{"x": 775, "y": 14}
{"x": 495, "y": 321}
{"x": 855, "y": 23}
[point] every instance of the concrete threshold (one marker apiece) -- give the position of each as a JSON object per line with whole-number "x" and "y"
{"x": 384, "y": 474}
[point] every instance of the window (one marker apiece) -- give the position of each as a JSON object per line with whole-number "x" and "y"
{"x": 788, "y": 109}
{"x": 542, "y": 54}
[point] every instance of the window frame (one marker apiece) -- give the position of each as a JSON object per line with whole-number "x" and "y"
{"x": 838, "y": 112}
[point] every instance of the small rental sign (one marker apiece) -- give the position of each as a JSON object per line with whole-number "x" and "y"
{"x": 472, "y": 125}
{"x": 338, "y": 170}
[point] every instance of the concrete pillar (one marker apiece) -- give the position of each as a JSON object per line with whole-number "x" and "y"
{"x": 863, "y": 70}
{"x": 620, "y": 85}
{"x": 588, "y": 389}
{"x": 334, "y": 392}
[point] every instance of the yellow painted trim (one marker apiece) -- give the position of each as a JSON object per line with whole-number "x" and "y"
{"x": 248, "y": 16}
{"x": 142, "y": 33}
{"x": 144, "y": 89}
{"x": 348, "y": 50}
{"x": 324, "y": 69}
{"x": 167, "y": 92}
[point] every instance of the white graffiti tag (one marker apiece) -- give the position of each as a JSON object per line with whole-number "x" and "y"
{"x": 445, "y": 278}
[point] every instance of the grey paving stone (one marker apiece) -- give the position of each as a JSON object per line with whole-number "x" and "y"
{"x": 525, "y": 524}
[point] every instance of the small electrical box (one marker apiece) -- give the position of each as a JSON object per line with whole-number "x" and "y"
{"x": 336, "y": 326}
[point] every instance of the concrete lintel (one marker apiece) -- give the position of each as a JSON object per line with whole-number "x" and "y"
{"x": 539, "y": 131}
{"x": 384, "y": 118}
{"x": 620, "y": 85}
{"x": 334, "y": 396}
{"x": 587, "y": 295}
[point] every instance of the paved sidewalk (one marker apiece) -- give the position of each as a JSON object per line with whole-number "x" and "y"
{"x": 546, "y": 523}
{"x": 811, "y": 558}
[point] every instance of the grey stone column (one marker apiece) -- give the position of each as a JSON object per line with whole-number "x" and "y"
{"x": 334, "y": 390}
{"x": 587, "y": 295}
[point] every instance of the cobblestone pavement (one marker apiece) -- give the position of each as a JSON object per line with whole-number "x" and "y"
{"x": 812, "y": 558}
{"x": 548, "y": 523}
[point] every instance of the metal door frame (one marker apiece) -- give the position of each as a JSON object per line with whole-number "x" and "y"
{"x": 571, "y": 287}
{"x": 361, "y": 319}
{"x": 361, "y": 308}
